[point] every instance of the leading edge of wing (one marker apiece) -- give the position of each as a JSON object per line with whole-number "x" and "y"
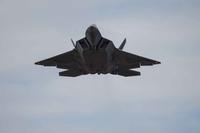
{"x": 132, "y": 58}
{"x": 64, "y": 57}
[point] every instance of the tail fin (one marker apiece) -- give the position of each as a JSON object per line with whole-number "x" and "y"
{"x": 73, "y": 42}
{"x": 122, "y": 45}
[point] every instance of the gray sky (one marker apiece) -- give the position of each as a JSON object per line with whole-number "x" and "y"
{"x": 165, "y": 98}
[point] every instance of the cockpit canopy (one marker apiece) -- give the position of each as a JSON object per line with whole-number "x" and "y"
{"x": 93, "y": 35}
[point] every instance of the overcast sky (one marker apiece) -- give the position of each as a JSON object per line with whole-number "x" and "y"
{"x": 164, "y": 99}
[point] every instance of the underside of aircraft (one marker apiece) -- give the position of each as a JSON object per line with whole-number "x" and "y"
{"x": 96, "y": 54}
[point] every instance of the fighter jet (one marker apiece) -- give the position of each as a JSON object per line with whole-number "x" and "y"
{"x": 96, "y": 54}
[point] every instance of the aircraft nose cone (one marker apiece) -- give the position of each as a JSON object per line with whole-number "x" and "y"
{"x": 92, "y": 28}
{"x": 93, "y": 35}
{"x": 94, "y": 25}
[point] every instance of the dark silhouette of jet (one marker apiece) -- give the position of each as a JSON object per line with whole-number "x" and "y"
{"x": 96, "y": 54}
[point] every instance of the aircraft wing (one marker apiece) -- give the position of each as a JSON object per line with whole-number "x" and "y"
{"x": 67, "y": 57}
{"x": 128, "y": 60}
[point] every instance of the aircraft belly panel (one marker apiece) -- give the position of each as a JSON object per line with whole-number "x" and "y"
{"x": 95, "y": 60}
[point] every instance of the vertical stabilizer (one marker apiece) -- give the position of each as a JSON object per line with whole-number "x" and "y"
{"x": 122, "y": 45}
{"x": 73, "y": 43}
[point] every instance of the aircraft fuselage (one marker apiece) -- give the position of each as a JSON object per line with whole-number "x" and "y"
{"x": 96, "y": 54}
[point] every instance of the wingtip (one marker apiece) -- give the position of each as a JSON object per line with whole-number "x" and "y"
{"x": 37, "y": 63}
{"x": 158, "y": 62}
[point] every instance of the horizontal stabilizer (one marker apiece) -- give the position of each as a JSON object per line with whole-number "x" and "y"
{"x": 126, "y": 72}
{"x": 70, "y": 73}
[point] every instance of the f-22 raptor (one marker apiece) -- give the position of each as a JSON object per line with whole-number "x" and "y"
{"x": 96, "y": 54}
